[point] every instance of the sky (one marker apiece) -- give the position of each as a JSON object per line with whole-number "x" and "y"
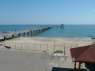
{"x": 47, "y": 11}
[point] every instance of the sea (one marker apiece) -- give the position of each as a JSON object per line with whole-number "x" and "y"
{"x": 55, "y": 31}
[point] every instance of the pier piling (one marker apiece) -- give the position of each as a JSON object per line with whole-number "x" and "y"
{"x": 31, "y": 32}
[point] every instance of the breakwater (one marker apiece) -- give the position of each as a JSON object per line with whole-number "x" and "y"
{"x": 25, "y": 33}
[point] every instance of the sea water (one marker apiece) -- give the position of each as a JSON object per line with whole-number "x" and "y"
{"x": 66, "y": 31}
{"x": 71, "y": 31}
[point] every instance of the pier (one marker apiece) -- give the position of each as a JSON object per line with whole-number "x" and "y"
{"x": 25, "y": 33}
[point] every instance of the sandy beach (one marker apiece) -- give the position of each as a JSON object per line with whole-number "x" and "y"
{"x": 50, "y": 45}
{"x": 37, "y": 53}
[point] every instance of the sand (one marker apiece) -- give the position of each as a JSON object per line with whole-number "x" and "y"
{"x": 50, "y": 45}
{"x": 37, "y": 53}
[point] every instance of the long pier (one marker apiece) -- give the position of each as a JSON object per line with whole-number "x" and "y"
{"x": 30, "y": 32}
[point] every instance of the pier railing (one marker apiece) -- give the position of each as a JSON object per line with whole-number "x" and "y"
{"x": 24, "y": 33}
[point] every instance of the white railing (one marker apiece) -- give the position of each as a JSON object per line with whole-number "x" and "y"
{"x": 48, "y": 46}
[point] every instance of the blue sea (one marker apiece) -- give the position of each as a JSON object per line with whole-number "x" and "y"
{"x": 71, "y": 31}
{"x": 14, "y": 28}
{"x": 56, "y": 31}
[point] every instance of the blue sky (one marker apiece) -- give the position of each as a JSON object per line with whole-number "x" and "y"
{"x": 47, "y": 11}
